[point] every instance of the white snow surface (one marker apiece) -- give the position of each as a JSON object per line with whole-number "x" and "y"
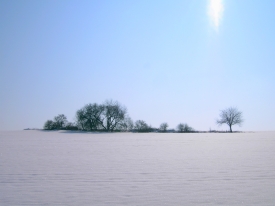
{"x": 75, "y": 168}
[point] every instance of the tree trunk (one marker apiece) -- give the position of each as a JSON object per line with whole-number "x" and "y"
{"x": 230, "y": 128}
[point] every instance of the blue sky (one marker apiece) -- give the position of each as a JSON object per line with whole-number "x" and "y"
{"x": 166, "y": 61}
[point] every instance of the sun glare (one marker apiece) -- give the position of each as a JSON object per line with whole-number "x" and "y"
{"x": 215, "y": 12}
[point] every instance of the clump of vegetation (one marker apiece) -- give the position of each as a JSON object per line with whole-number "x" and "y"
{"x": 59, "y": 123}
{"x": 142, "y": 126}
{"x": 109, "y": 116}
{"x": 163, "y": 127}
{"x": 112, "y": 116}
{"x": 184, "y": 128}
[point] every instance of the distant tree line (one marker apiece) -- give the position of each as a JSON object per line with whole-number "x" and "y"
{"x": 110, "y": 116}
{"x": 59, "y": 123}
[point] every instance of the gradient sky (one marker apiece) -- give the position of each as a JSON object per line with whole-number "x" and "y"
{"x": 166, "y": 61}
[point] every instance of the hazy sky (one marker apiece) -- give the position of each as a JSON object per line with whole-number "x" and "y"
{"x": 166, "y": 61}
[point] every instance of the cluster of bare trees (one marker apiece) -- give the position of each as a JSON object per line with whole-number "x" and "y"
{"x": 112, "y": 116}
{"x": 109, "y": 116}
{"x": 142, "y": 126}
{"x": 184, "y": 128}
{"x": 59, "y": 122}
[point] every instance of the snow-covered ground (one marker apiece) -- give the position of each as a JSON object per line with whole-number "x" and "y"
{"x": 71, "y": 168}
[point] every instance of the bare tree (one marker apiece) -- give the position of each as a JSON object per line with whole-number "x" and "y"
{"x": 126, "y": 125}
{"x": 114, "y": 115}
{"x": 81, "y": 119}
{"x": 60, "y": 121}
{"x": 129, "y": 122}
{"x": 142, "y": 126}
{"x": 109, "y": 116}
{"x": 49, "y": 125}
{"x": 71, "y": 126}
{"x": 230, "y": 116}
{"x": 184, "y": 128}
{"x": 90, "y": 117}
{"x": 163, "y": 127}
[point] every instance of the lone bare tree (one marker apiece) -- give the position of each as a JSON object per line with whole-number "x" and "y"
{"x": 230, "y": 116}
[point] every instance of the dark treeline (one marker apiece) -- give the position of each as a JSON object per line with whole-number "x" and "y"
{"x": 109, "y": 116}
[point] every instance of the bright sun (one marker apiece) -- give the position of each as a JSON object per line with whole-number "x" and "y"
{"x": 215, "y": 12}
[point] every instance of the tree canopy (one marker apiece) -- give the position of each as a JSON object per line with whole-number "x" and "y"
{"x": 184, "y": 128}
{"x": 108, "y": 116}
{"x": 163, "y": 127}
{"x": 230, "y": 116}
